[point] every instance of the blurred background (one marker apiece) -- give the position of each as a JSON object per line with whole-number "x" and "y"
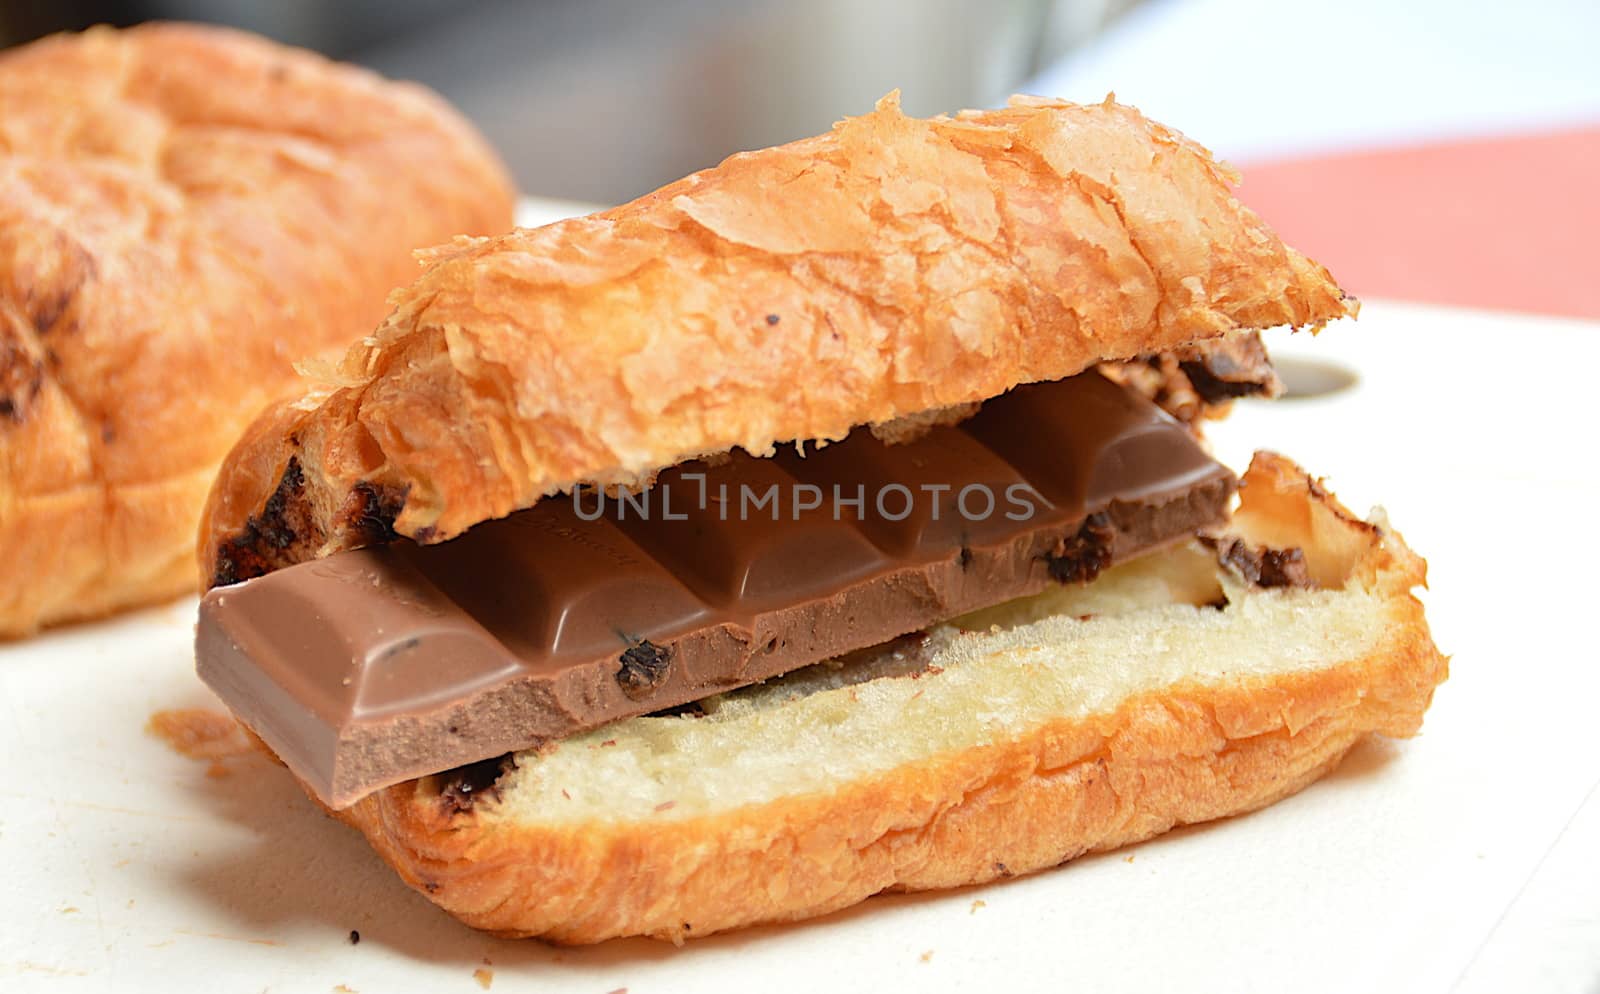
{"x": 601, "y": 100}
{"x": 1441, "y": 150}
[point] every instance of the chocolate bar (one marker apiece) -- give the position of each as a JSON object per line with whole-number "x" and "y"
{"x": 374, "y": 666}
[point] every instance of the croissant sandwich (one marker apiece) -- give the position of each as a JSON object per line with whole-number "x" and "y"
{"x": 829, "y": 522}
{"x": 185, "y": 212}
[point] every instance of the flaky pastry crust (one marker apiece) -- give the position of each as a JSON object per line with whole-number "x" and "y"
{"x": 1188, "y": 753}
{"x": 185, "y": 212}
{"x": 890, "y": 267}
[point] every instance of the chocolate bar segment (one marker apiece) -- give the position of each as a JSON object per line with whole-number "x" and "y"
{"x": 753, "y": 543}
{"x": 955, "y": 490}
{"x": 552, "y": 576}
{"x": 380, "y": 665}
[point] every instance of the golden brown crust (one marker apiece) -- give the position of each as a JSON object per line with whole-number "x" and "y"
{"x": 889, "y": 267}
{"x": 185, "y": 212}
{"x": 1158, "y": 760}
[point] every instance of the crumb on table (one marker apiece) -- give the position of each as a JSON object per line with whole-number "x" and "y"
{"x": 199, "y": 733}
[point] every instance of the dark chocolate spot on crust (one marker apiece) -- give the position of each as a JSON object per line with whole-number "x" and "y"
{"x": 1265, "y": 566}
{"x": 236, "y": 562}
{"x": 56, "y": 286}
{"x": 772, "y": 319}
{"x": 257, "y": 549}
{"x": 1081, "y": 557}
{"x": 1191, "y": 381}
{"x": 1002, "y": 869}
{"x": 21, "y": 379}
{"x": 461, "y": 788}
{"x": 965, "y": 559}
{"x": 1226, "y": 368}
{"x": 1214, "y": 389}
{"x": 355, "y": 937}
{"x": 273, "y": 525}
{"x": 644, "y": 667}
{"x": 286, "y": 526}
{"x": 372, "y": 510}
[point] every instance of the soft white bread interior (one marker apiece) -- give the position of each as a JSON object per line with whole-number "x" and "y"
{"x": 1168, "y": 691}
{"x": 890, "y": 267}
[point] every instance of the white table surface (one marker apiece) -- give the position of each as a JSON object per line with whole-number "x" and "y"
{"x": 1468, "y": 858}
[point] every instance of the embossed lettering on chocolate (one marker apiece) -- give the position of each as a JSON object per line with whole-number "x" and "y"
{"x": 379, "y": 665}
